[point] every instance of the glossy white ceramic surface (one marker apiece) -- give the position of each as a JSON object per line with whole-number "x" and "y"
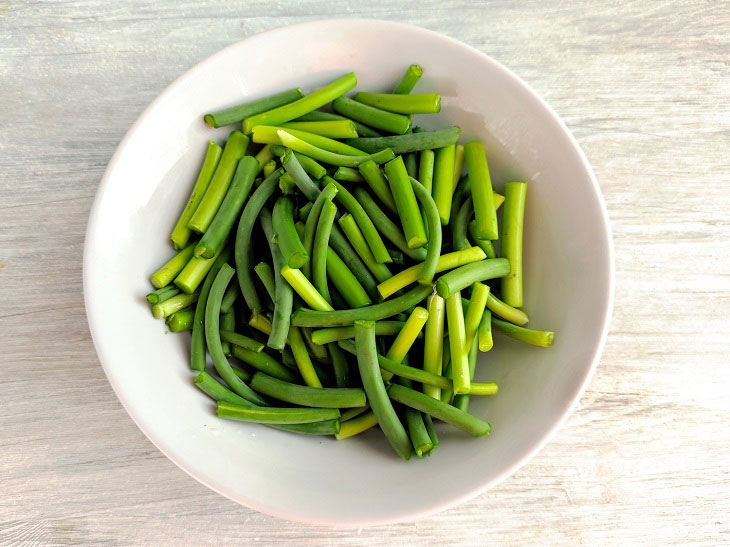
{"x": 568, "y": 278}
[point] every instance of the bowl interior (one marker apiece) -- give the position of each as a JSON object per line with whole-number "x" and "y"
{"x": 358, "y": 481}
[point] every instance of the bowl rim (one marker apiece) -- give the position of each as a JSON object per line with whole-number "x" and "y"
{"x": 437, "y": 506}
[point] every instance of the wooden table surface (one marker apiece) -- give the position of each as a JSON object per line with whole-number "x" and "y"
{"x": 645, "y": 87}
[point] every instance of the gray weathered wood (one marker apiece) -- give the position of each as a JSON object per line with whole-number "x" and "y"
{"x": 643, "y": 85}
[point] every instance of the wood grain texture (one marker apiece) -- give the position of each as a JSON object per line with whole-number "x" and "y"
{"x": 645, "y": 87}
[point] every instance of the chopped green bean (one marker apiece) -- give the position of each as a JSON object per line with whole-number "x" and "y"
{"x": 374, "y": 117}
{"x": 238, "y": 113}
{"x": 438, "y": 409}
{"x": 372, "y": 174}
{"x": 411, "y": 142}
{"x": 270, "y": 134}
{"x": 356, "y": 425}
{"x": 213, "y": 340}
{"x": 485, "y": 332}
{"x": 462, "y": 277}
{"x": 340, "y": 365}
{"x": 325, "y": 156}
{"x": 301, "y": 356}
{"x": 535, "y": 337}
{"x": 181, "y": 233}
{"x": 305, "y": 289}
{"x": 443, "y": 181}
{"x": 428, "y": 103}
{"x": 266, "y": 275}
{"x": 241, "y": 340}
{"x": 461, "y": 401}
{"x": 340, "y": 129}
{"x": 242, "y": 413}
{"x": 308, "y": 396}
{"x": 348, "y": 174}
{"x": 344, "y": 250}
{"x": 318, "y": 116}
{"x": 457, "y": 347}
{"x": 228, "y": 212}
{"x": 433, "y": 250}
{"x": 310, "y": 228}
{"x": 172, "y": 268}
{"x": 458, "y": 162}
{"x": 445, "y": 262}
{"x": 197, "y": 342}
{"x": 265, "y": 363}
{"x": 320, "y": 249}
{"x": 342, "y": 318}
{"x": 425, "y": 169}
{"x": 406, "y": 204}
{"x": 410, "y": 79}
{"x": 345, "y": 281}
{"x": 180, "y": 321}
{"x": 174, "y": 304}
{"x": 243, "y": 239}
{"x": 403, "y": 371}
{"x": 306, "y": 104}
{"x": 505, "y": 311}
{"x": 233, "y": 151}
{"x": 366, "y": 225}
{"x": 513, "y": 217}
{"x": 485, "y": 213}
{"x": 377, "y": 396}
{"x": 357, "y": 240}
{"x": 160, "y": 295}
{"x": 477, "y": 305}
{"x": 385, "y": 225}
{"x": 265, "y": 157}
{"x": 295, "y": 255}
{"x": 283, "y": 295}
{"x": 333, "y": 334}
{"x": 431, "y": 432}
{"x": 434, "y": 342}
{"x": 227, "y": 322}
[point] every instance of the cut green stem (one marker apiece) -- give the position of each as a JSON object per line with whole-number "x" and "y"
{"x": 513, "y": 217}
{"x": 377, "y": 395}
{"x": 320, "y": 249}
{"x": 342, "y": 318}
{"x": 434, "y": 342}
{"x": 529, "y": 336}
{"x": 233, "y": 151}
{"x": 411, "y": 142}
{"x": 406, "y": 204}
{"x": 306, "y": 104}
{"x": 409, "y": 80}
{"x": 181, "y": 233}
{"x": 485, "y": 213}
{"x": 308, "y": 396}
{"x": 439, "y": 410}
{"x": 238, "y": 113}
{"x": 462, "y": 277}
{"x": 428, "y": 103}
{"x": 369, "y": 115}
{"x": 444, "y": 262}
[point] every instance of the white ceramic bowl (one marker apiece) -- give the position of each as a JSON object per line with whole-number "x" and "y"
{"x": 568, "y": 279}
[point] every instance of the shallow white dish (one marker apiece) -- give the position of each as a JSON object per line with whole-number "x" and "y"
{"x": 358, "y": 482}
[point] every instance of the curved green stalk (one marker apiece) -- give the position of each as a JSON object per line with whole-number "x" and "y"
{"x": 535, "y": 337}
{"x": 320, "y": 248}
{"x": 462, "y": 277}
{"x": 376, "y": 393}
{"x": 213, "y": 339}
{"x": 325, "y": 156}
{"x": 308, "y": 396}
